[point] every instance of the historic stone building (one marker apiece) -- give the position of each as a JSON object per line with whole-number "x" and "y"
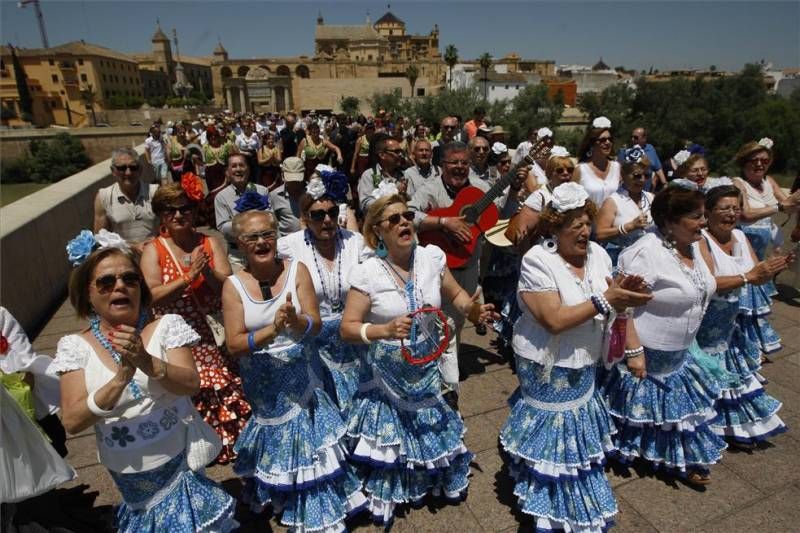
{"x": 353, "y": 60}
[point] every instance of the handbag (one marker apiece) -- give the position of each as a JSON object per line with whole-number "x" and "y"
{"x": 213, "y": 320}
{"x": 202, "y": 442}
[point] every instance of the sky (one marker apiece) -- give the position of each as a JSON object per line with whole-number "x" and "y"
{"x": 634, "y": 34}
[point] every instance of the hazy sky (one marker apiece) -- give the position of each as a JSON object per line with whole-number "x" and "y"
{"x": 636, "y": 34}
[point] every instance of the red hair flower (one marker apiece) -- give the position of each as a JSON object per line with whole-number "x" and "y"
{"x": 3, "y": 345}
{"x": 192, "y": 186}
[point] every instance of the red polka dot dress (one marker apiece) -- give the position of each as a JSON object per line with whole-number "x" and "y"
{"x": 220, "y": 400}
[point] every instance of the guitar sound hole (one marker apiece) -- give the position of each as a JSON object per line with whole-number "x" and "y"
{"x": 469, "y": 214}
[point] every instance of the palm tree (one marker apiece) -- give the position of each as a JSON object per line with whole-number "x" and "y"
{"x": 412, "y": 73}
{"x": 485, "y": 62}
{"x": 88, "y": 97}
{"x": 451, "y": 58}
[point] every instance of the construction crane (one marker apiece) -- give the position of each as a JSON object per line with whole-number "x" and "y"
{"x": 39, "y": 18}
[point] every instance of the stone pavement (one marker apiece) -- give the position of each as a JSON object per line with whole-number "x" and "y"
{"x": 756, "y": 491}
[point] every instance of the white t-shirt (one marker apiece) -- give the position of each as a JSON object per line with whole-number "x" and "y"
{"x": 374, "y": 278}
{"x": 156, "y": 148}
{"x": 598, "y": 188}
{"x": 671, "y": 319}
{"x": 294, "y": 246}
{"x": 543, "y": 271}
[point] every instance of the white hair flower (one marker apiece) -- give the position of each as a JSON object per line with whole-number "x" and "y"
{"x": 569, "y": 196}
{"x": 544, "y": 132}
{"x": 385, "y": 188}
{"x": 601, "y": 122}
{"x": 319, "y": 169}
{"x": 766, "y": 142}
{"x": 315, "y": 187}
{"x": 499, "y": 148}
{"x": 109, "y": 239}
{"x": 681, "y": 157}
{"x": 559, "y": 151}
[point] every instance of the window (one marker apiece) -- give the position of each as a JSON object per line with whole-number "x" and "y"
{"x": 369, "y": 57}
{"x": 107, "y": 94}
{"x": 54, "y": 77}
{"x": 54, "y": 104}
{"x": 104, "y": 77}
{"x": 63, "y": 92}
{"x": 51, "y": 61}
{"x": 116, "y": 78}
{"x": 80, "y": 61}
{"x": 84, "y": 78}
{"x": 421, "y": 91}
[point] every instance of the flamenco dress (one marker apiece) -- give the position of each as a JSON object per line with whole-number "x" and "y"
{"x": 143, "y": 443}
{"x": 340, "y": 360}
{"x": 665, "y": 419}
{"x": 406, "y": 440}
{"x": 220, "y": 400}
{"x": 746, "y": 413}
{"x": 290, "y": 452}
{"x": 559, "y": 430}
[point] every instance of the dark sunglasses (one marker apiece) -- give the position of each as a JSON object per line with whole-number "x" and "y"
{"x": 318, "y": 215}
{"x": 602, "y": 140}
{"x": 109, "y": 281}
{"x": 123, "y": 168}
{"x": 399, "y": 151}
{"x": 395, "y": 218}
{"x": 480, "y": 149}
{"x": 184, "y": 210}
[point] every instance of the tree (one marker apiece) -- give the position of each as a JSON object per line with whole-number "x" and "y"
{"x": 51, "y": 161}
{"x": 89, "y": 97}
{"x": 485, "y": 62}
{"x": 712, "y": 68}
{"x": 451, "y": 58}
{"x": 350, "y": 105}
{"x": 388, "y": 101}
{"x": 25, "y": 100}
{"x": 412, "y": 73}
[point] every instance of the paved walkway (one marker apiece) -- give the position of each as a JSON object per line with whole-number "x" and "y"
{"x": 756, "y": 491}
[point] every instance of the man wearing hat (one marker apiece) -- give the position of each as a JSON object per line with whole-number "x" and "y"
{"x": 285, "y": 199}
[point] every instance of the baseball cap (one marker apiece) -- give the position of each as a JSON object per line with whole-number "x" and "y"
{"x": 293, "y": 169}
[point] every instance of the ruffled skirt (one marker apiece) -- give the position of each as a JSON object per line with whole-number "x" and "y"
{"x": 557, "y": 436}
{"x": 406, "y": 447}
{"x": 294, "y": 460}
{"x": 755, "y": 304}
{"x": 341, "y": 362}
{"x": 665, "y": 422}
{"x": 173, "y": 498}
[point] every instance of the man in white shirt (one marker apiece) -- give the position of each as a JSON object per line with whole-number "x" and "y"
{"x": 424, "y": 170}
{"x": 479, "y": 158}
{"x": 155, "y": 152}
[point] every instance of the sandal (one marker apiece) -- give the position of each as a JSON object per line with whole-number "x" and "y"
{"x": 698, "y": 478}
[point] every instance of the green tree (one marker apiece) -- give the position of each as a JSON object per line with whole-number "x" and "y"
{"x": 451, "y": 58}
{"x": 54, "y": 160}
{"x": 350, "y": 105}
{"x": 485, "y": 61}
{"x": 388, "y": 101}
{"x": 89, "y": 97}
{"x": 412, "y": 74}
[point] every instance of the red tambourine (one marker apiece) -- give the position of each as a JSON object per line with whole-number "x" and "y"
{"x": 432, "y": 323}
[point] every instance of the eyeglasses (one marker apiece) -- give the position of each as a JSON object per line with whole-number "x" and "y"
{"x": 170, "y": 211}
{"x": 761, "y": 160}
{"x": 398, "y": 151}
{"x": 109, "y": 281}
{"x": 603, "y": 140}
{"x": 457, "y": 162}
{"x": 252, "y": 238}
{"x": 395, "y": 218}
{"x": 564, "y": 170}
{"x": 318, "y": 215}
{"x": 504, "y": 162}
{"x": 480, "y": 149}
{"x": 123, "y": 168}
{"x": 729, "y": 210}
{"x": 448, "y": 127}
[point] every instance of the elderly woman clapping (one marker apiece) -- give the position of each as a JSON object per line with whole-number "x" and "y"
{"x": 132, "y": 378}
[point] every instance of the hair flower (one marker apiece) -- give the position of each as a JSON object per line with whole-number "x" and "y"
{"x": 315, "y": 188}
{"x": 252, "y": 200}
{"x": 499, "y": 148}
{"x": 634, "y": 154}
{"x": 569, "y": 196}
{"x": 683, "y": 183}
{"x": 334, "y": 182}
{"x": 541, "y": 133}
{"x": 109, "y": 239}
{"x": 559, "y": 151}
{"x": 766, "y": 142}
{"x": 385, "y": 188}
{"x": 681, "y": 157}
{"x": 79, "y": 248}
{"x": 601, "y": 122}
{"x": 192, "y": 186}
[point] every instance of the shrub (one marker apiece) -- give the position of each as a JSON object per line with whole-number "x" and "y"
{"x": 15, "y": 170}
{"x": 54, "y": 160}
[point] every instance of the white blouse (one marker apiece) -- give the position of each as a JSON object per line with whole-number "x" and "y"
{"x": 740, "y": 262}
{"x": 75, "y": 353}
{"x": 670, "y": 320}
{"x": 539, "y": 198}
{"x": 599, "y": 189}
{"x": 759, "y": 199}
{"x": 374, "y": 278}
{"x": 334, "y": 282}
{"x": 543, "y": 271}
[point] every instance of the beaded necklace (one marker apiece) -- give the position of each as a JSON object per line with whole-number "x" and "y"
{"x": 408, "y": 290}
{"x": 94, "y": 323}
{"x": 335, "y": 277}
{"x": 695, "y": 277}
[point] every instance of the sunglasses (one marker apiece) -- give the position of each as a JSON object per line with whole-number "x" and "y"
{"x": 603, "y": 140}
{"x": 395, "y": 218}
{"x": 123, "y": 168}
{"x": 480, "y": 149}
{"x": 318, "y": 215}
{"x": 448, "y": 127}
{"x": 184, "y": 210}
{"x": 457, "y": 162}
{"x": 109, "y": 281}
{"x": 252, "y": 238}
{"x": 399, "y": 151}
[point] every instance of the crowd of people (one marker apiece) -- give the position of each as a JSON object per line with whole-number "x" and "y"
{"x": 253, "y": 305}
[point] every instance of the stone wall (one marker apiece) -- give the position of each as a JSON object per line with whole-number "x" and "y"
{"x": 98, "y": 141}
{"x": 33, "y": 234}
{"x": 328, "y": 93}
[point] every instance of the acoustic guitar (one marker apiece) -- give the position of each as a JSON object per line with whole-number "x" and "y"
{"x": 479, "y": 212}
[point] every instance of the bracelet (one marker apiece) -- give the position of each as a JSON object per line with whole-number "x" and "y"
{"x": 95, "y": 409}
{"x": 441, "y": 222}
{"x": 251, "y": 341}
{"x": 744, "y": 279}
{"x": 601, "y": 304}
{"x": 621, "y": 229}
{"x": 635, "y": 352}
{"x": 186, "y": 279}
{"x": 161, "y": 374}
{"x": 364, "y": 337}
{"x": 309, "y": 325}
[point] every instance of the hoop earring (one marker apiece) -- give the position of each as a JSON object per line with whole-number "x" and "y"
{"x": 550, "y": 244}
{"x": 381, "y": 251}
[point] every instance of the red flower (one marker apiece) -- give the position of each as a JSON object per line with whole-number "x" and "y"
{"x": 193, "y": 186}
{"x": 3, "y": 345}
